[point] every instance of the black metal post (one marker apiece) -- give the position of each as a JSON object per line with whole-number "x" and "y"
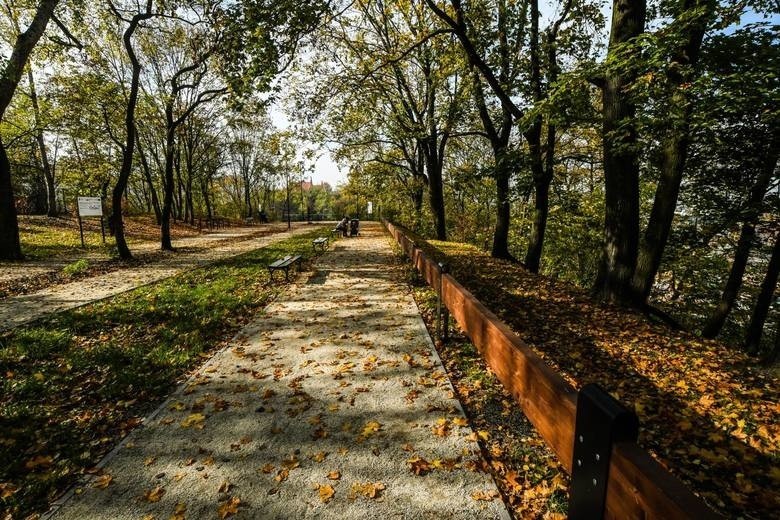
{"x": 602, "y": 421}
{"x": 81, "y": 231}
{"x": 442, "y": 313}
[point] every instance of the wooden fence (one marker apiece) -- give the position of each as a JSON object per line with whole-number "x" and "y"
{"x": 638, "y": 486}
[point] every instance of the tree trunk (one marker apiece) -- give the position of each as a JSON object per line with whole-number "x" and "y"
{"x": 150, "y": 182}
{"x": 756, "y": 327}
{"x": 48, "y": 173}
{"x": 621, "y": 163}
{"x": 674, "y": 150}
{"x": 753, "y": 207}
{"x": 206, "y": 198}
{"x": 502, "y": 175}
{"x": 436, "y": 195}
{"x": 165, "y": 227}
{"x": 117, "y": 223}
{"x": 10, "y": 248}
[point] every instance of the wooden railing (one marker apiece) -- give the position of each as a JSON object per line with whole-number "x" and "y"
{"x": 638, "y": 486}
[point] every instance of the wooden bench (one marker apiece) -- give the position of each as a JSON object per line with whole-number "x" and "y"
{"x": 323, "y": 242}
{"x": 285, "y": 264}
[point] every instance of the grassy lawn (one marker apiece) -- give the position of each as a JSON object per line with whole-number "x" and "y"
{"x": 75, "y": 383}
{"x": 44, "y": 237}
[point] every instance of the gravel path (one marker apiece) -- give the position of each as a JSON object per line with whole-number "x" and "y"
{"x": 332, "y": 404}
{"x": 195, "y": 251}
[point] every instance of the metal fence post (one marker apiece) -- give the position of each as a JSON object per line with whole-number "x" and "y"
{"x": 601, "y": 422}
{"x": 442, "y": 313}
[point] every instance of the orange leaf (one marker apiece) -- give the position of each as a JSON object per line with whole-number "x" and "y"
{"x": 154, "y": 494}
{"x": 229, "y": 507}
{"x": 326, "y": 493}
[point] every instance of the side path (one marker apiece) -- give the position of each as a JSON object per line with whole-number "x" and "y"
{"x": 18, "y": 310}
{"x": 332, "y": 404}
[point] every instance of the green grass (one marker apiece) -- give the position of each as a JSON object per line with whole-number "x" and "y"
{"x": 45, "y": 240}
{"x": 77, "y": 267}
{"x": 72, "y": 384}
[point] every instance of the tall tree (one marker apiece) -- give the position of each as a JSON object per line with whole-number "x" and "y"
{"x": 128, "y": 148}
{"x": 10, "y": 75}
{"x": 750, "y": 213}
{"x": 621, "y": 156}
{"x": 687, "y": 32}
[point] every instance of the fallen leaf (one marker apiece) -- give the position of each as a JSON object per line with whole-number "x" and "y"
{"x": 102, "y": 481}
{"x": 178, "y": 512}
{"x": 319, "y": 456}
{"x": 334, "y": 475}
{"x": 154, "y": 494}
{"x": 195, "y": 420}
{"x": 229, "y": 507}
{"x": 326, "y": 493}
{"x": 419, "y": 465}
{"x": 368, "y": 490}
{"x": 486, "y": 496}
{"x": 7, "y": 489}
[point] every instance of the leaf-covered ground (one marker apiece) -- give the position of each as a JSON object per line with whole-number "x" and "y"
{"x": 73, "y": 384}
{"x": 707, "y": 412}
{"x": 532, "y": 481}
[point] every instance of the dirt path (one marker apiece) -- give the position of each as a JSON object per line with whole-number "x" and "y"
{"x": 332, "y": 404}
{"x": 194, "y": 251}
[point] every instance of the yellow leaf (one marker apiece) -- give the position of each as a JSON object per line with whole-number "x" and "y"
{"x": 486, "y": 496}
{"x": 460, "y": 421}
{"x": 326, "y": 493}
{"x": 196, "y": 420}
{"x": 319, "y": 456}
{"x": 370, "y": 428}
{"x": 368, "y": 489}
{"x": 228, "y": 508}
{"x": 39, "y": 377}
{"x": 334, "y": 475}
{"x": 7, "y": 489}
{"x": 178, "y": 512}
{"x": 154, "y": 494}
{"x": 102, "y": 481}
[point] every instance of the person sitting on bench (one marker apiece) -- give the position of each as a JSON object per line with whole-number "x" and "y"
{"x": 343, "y": 226}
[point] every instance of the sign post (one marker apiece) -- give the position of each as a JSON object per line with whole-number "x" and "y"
{"x": 90, "y": 207}
{"x": 370, "y": 208}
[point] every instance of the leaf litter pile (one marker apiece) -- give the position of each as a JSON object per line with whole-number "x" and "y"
{"x": 75, "y": 383}
{"x": 707, "y": 413}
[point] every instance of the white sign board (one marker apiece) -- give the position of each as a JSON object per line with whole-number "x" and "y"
{"x": 370, "y": 208}
{"x": 90, "y": 207}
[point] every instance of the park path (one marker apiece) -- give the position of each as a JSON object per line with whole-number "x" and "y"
{"x": 192, "y": 252}
{"x": 331, "y": 404}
